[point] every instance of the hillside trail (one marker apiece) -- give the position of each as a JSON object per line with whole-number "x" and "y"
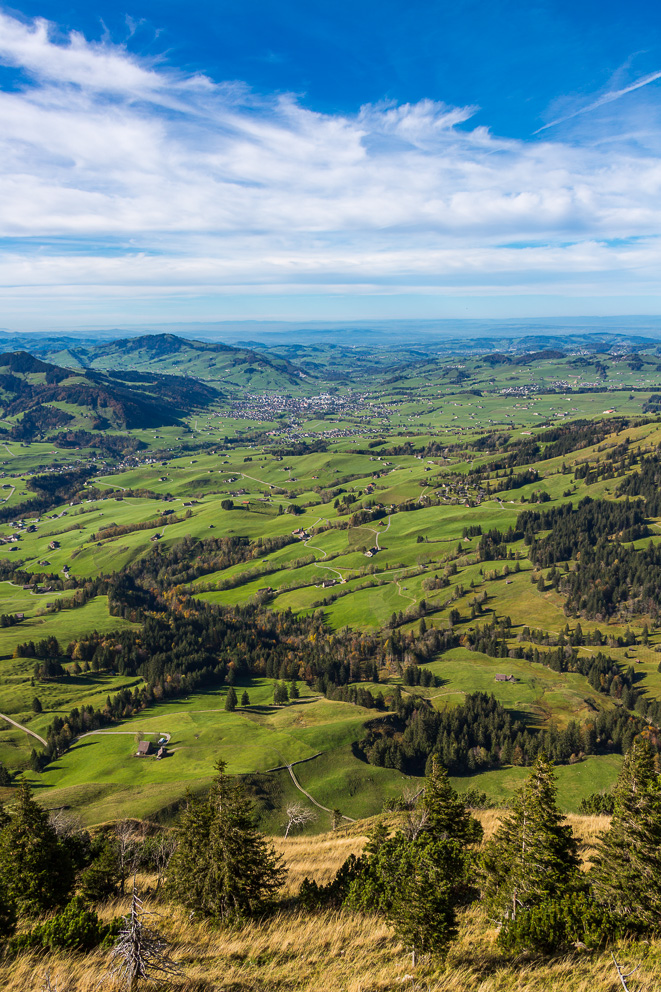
{"x": 401, "y": 593}
{"x": 126, "y": 733}
{"x": 311, "y": 798}
{"x": 27, "y": 730}
{"x": 306, "y": 544}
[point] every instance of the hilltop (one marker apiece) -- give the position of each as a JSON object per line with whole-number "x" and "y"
{"x": 212, "y": 362}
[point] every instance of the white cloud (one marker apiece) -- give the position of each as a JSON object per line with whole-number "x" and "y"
{"x": 134, "y": 176}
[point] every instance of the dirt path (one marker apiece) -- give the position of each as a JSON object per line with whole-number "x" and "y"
{"x": 311, "y": 798}
{"x": 306, "y": 544}
{"x": 403, "y": 594}
{"x": 112, "y": 733}
{"x": 20, "y": 726}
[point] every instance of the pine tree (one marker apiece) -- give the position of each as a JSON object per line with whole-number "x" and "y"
{"x": 423, "y": 911}
{"x": 223, "y": 867}
{"x": 533, "y": 854}
{"x": 230, "y": 699}
{"x": 444, "y": 812}
{"x": 35, "y": 867}
{"x": 100, "y": 880}
{"x": 626, "y": 873}
{"x": 245, "y": 698}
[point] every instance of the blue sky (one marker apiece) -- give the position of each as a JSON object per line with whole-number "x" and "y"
{"x": 209, "y": 161}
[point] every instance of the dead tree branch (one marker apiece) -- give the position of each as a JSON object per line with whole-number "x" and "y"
{"x": 140, "y": 952}
{"x": 623, "y": 977}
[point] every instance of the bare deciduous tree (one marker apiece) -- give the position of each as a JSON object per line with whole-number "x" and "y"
{"x": 65, "y": 823}
{"x": 298, "y": 816}
{"x": 140, "y": 952}
{"x": 416, "y": 822}
{"x": 166, "y": 845}
{"x": 126, "y": 845}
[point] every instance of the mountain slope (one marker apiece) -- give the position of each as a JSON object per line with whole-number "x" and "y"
{"x": 215, "y": 362}
{"x": 48, "y": 396}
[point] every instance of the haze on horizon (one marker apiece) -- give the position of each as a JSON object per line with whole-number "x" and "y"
{"x": 301, "y": 162}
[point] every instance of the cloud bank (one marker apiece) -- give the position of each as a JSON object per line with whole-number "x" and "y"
{"x": 126, "y": 179}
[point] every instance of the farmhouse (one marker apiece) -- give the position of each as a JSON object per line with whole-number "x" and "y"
{"x": 505, "y": 678}
{"x": 144, "y": 748}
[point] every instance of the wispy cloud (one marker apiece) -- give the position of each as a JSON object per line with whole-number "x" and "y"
{"x": 605, "y": 98}
{"x": 122, "y": 178}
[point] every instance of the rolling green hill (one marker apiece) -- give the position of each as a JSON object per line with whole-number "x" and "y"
{"x": 380, "y": 524}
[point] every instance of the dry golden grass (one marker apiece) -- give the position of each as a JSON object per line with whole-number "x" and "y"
{"x": 324, "y": 952}
{"x": 296, "y": 951}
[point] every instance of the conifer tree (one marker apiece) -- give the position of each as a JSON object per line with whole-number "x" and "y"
{"x": 230, "y": 699}
{"x": 420, "y": 876}
{"x": 533, "y": 854}
{"x": 35, "y": 867}
{"x": 626, "y": 873}
{"x": 223, "y": 867}
{"x": 423, "y": 912}
{"x": 444, "y": 811}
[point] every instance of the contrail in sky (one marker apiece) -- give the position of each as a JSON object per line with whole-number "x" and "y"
{"x": 606, "y": 98}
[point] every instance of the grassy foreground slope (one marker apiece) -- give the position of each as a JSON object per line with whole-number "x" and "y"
{"x": 313, "y": 952}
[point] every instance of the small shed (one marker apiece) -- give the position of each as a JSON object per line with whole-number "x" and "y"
{"x": 144, "y": 748}
{"x": 161, "y": 753}
{"x": 505, "y": 678}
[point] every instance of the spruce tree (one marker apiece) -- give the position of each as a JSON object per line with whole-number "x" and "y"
{"x": 230, "y": 699}
{"x": 626, "y": 872}
{"x": 444, "y": 811}
{"x": 245, "y": 698}
{"x": 422, "y": 913}
{"x": 533, "y": 855}
{"x": 223, "y": 867}
{"x": 35, "y": 867}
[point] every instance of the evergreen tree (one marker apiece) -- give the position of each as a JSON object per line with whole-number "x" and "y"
{"x": 280, "y": 693}
{"x": 230, "y": 699}
{"x": 422, "y": 912}
{"x": 36, "y": 705}
{"x": 223, "y": 867}
{"x": 444, "y": 812}
{"x": 532, "y": 856}
{"x": 245, "y": 698}
{"x": 626, "y": 873}
{"x": 35, "y": 868}
{"x": 100, "y": 880}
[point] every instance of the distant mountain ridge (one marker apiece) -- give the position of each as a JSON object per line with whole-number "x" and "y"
{"x": 170, "y": 353}
{"x": 128, "y": 400}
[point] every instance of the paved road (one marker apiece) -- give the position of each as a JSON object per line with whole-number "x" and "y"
{"x": 20, "y": 726}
